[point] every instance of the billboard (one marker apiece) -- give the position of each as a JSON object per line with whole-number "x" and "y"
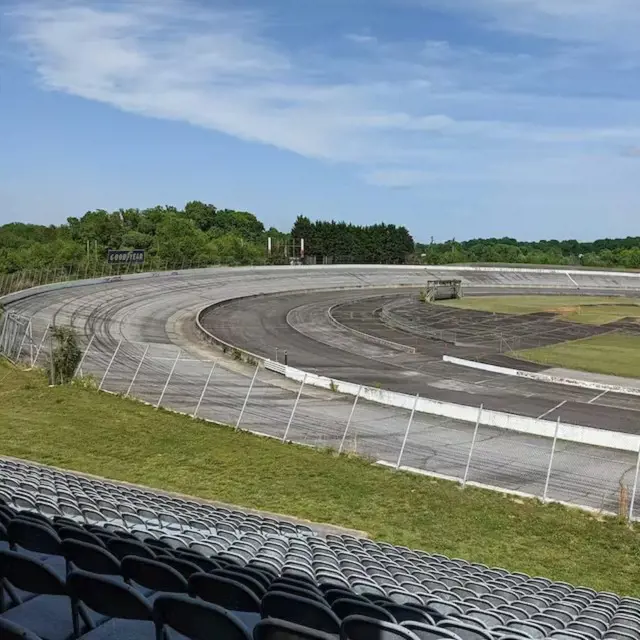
{"x": 136, "y": 256}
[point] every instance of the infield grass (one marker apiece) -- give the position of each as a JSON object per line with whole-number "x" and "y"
{"x": 585, "y": 309}
{"x": 83, "y": 430}
{"x": 613, "y": 353}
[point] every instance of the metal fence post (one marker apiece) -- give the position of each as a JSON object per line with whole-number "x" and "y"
{"x": 246, "y": 399}
{"x": 31, "y": 343}
{"x": 204, "y": 390}
{"x": 5, "y": 324}
{"x": 44, "y": 336}
{"x": 406, "y": 433}
{"x": 353, "y": 409}
{"x": 473, "y": 443}
{"x": 635, "y": 487}
{"x": 135, "y": 375}
{"x": 295, "y": 406}
{"x": 84, "y": 355}
{"x": 166, "y": 384}
{"x": 113, "y": 357}
{"x": 24, "y": 337}
{"x": 553, "y": 451}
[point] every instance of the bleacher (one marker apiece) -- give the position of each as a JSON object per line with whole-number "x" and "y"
{"x": 84, "y": 558}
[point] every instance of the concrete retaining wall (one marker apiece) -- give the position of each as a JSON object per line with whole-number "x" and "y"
{"x": 543, "y": 377}
{"x": 497, "y": 419}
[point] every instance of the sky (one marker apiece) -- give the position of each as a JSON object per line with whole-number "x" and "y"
{"x": 455, "y": 118}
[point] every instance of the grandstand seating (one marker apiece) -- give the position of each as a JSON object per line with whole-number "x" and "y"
{"x": 84, "y": 558}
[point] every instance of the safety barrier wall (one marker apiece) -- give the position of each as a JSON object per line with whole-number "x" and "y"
{"x": 543, "y": 377}
{"x": 366, "y": 336}
{"x": 498, "y": 419}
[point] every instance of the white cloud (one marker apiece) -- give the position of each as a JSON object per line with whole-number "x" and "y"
{"x": 404, "y": 115}
{"x": 605, "y": 23}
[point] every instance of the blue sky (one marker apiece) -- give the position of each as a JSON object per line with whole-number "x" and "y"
{"x": 457, "y": 118}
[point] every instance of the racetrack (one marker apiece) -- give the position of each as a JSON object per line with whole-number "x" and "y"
{"x": 299, "y": 324}
{"x": 158, "y": 313}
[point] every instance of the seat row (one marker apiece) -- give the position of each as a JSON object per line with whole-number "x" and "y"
{"x": 491, "y": 598}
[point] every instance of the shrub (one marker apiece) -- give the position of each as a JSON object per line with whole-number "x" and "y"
{"x": 66, "y": 355}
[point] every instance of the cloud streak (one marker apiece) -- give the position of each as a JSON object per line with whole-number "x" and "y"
{"x": 401, "y": 114}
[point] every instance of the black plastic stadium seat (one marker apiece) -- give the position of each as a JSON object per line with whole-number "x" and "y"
{"x": 153, "y": 574}
{"x": 345, "y": 607}
{"x": 428, "y": 631}
{"x": 90, "y": 557}
{"x": 271, "y": 629}
{"x": 363, "y": 628}
{"x": 304, "y": 611}
{"x": 12, "y": 631}
{"x": 196, "y": 619}
{"x": 47, "y": 615}
{"x": 129, "y": 613}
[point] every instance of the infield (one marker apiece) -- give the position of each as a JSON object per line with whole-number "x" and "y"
{"x": 596, "y": 310}
{"x": 611, "y": 353}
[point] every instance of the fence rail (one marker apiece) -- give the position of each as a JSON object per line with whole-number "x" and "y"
{"x": 262, "y": 401}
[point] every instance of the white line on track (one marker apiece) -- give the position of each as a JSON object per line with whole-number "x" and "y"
{"x": 572, "y": 280}
{"x": 598, "y": 396}
{"x": 546, "y": 413}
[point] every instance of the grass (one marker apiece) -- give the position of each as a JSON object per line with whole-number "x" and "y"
{"x": 81, "y": 429}
{"x": 612, "y": 353}
{"x": 585, "y": 309}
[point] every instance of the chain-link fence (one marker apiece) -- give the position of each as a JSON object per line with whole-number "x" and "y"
{"x": 256, "y": 399}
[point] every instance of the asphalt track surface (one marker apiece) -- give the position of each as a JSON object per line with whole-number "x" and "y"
{"x": 301, "y": 325}
{"x": 153, "y": 317}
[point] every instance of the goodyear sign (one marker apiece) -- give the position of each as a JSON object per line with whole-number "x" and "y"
{"x": 125, "y": 257}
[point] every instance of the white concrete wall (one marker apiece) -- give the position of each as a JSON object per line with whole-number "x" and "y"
{"x": 543, "y": 377}
{"x": 497, "y": 419}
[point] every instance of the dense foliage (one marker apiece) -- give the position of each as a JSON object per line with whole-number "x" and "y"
{"x": 198, "y": 235}
{"x": 623, "y": 252}
{"x": 339, "y": 242}
{"x": 201, "y": 234}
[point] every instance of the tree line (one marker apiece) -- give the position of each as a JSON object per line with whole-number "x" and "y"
{"x": 200, "y": 234}
{"x": 608, "y": 252}
{"x": 340, "y": 242}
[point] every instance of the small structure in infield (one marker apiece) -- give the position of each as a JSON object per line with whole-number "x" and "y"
{"x": 442, "y": 290}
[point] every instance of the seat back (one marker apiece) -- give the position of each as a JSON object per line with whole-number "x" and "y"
{"x": 428, "y": 631}
{"x": 224, "y": 592}
{"x": 304, "y": 611}
{"x": 29, "y": 574}
{"x": 90, "y": 557}
{"x": 243, "y": 578}
{"x": 345, "y": 607}
{"x": 108, "y": 596}
{"x": 120, "y": 547}
{"x": 76, "y": 533}
{"x": 363, "y": 628}
{"x": 33, "y": 536}
{"x": 195, "y": 619}
{"x": 153, "y": 574}
{"x": 297, "y": 590}
{"x": 185, "y": 567}
{"x": 12, "y": 631}
{"x": 206, "y": 564}
{"x": 406, "y": 612}
{"x": 272, "y": 629}
{"x": 465, "y": 631}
